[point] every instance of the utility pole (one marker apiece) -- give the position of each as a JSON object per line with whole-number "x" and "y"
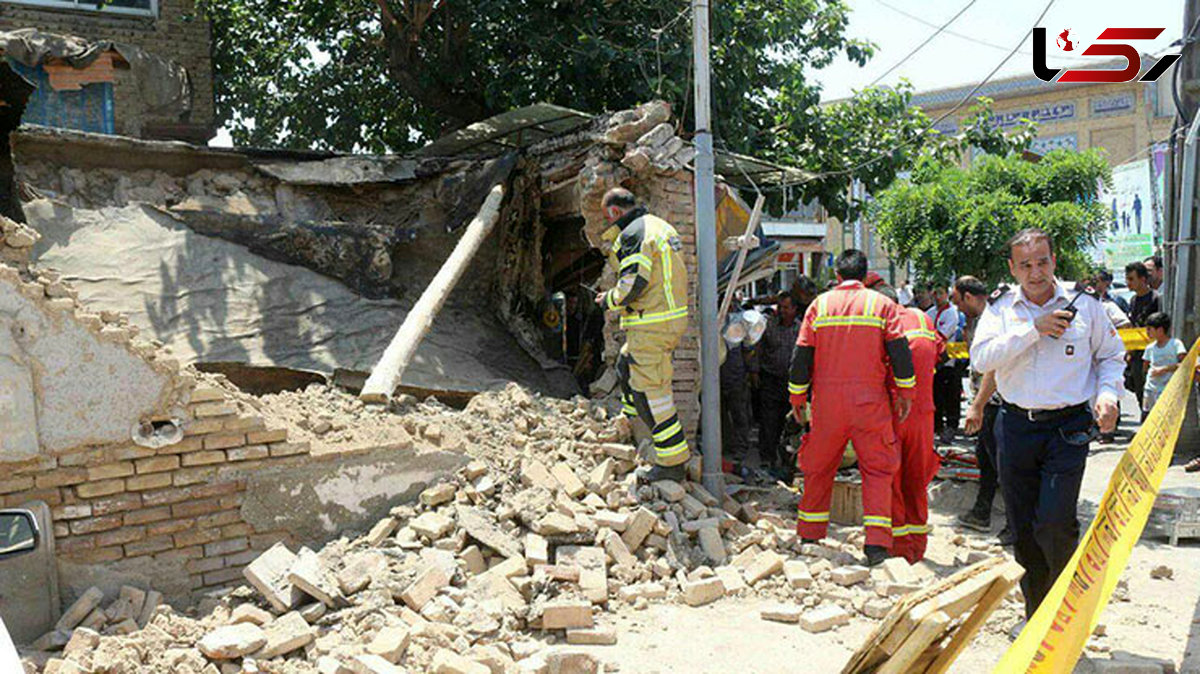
{"x": 1183, "y": 229}
{"x": 706, "y": 254}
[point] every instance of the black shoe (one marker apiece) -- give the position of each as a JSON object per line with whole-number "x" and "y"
{"x": 1006, "y": 536}
{"x": 876, "y": 554}
{"x": 811, "y": 541}
{"x": 973, "y": 520}
{"x": 656, "y": 473}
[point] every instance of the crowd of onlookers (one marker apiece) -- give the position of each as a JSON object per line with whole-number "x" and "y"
{"x": 754, "y": 376}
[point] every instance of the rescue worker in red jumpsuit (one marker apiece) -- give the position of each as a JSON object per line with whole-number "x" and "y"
{"x": 914, "y": 435}
{"x": 848, "y": 335}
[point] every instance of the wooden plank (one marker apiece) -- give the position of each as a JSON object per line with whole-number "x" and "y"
{"x": 399, "y": 353}
{"x": 953, "y": 602}
{"x": 928, "y": 631}
{"x": 1000, "y": 588}
{"x": 869, "y": 654}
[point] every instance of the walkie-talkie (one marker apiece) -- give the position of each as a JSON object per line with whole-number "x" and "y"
{"x": 1071, "y": 308}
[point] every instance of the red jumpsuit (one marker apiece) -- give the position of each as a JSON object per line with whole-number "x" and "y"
{"x": 918, "y": 462}
{"x": 841, "y": 351}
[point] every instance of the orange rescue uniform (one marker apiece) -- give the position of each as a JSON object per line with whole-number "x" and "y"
{"x": 840, "y": 355}
{"x": 918, "y": 462}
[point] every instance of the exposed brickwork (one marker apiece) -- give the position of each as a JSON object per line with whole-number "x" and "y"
{"x": 177, "y": 34}
{"x": 154, "y": 506}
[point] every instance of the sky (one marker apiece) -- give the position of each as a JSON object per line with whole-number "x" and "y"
{"x": 963, "y": 58}
{"x": 950, "y": 60}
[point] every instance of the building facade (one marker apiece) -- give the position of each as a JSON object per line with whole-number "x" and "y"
{"x": 114, "y": 94}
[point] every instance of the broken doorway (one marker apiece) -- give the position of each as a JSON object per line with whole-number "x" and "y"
{"x": 572, "y": 323}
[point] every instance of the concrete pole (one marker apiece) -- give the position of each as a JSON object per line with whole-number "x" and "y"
{"x": 706, "y": 255}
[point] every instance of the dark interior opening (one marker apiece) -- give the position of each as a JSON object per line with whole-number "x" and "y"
{"x": 573, "y": 326}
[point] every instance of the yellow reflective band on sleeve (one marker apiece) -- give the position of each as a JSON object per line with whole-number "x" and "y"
{"x": 666, "y": 433}
{"x": 797, "y": 389}
{"x": 906, "y": 383}
{"x": 673, "y": 450}
{"x": 922, "y": 334}
{"x": 638, "y": 259}
{"x": 877, "y": 521}
{"x": 822, "y": 305}
{"x": 827, "y": 321}
{"x": 629, "y": 409}
{"x": 664, "y": 252}
{"x": 812, "y": 517}
{"x": 657, "y": 317}
{"x": 608, "y": 299}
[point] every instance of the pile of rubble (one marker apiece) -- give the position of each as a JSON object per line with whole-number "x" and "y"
{"x": 533, "y": 543}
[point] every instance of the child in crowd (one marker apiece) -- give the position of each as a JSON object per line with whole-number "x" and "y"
{"x": 1162, "y": 357}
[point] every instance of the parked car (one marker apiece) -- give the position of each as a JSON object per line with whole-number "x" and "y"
{"x": 20, "y": 537}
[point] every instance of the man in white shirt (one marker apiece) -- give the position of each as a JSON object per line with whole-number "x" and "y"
{"x": 1053, "y": 351}
{"x": 947, "y": 380}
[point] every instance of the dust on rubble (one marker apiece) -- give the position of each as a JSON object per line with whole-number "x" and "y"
{"x": 525, "y": 559}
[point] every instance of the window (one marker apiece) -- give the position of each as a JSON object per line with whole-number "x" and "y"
{"x": 134, "y": 7}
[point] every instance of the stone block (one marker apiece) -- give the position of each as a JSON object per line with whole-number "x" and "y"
{"x": 425, "y": 587}
{"x": 309, "y": 574}
{"x": 898, "y": 570}
{"x": 670, "y": 490}
{"x": 472, "y": 556}
{"x": 390, "y": 643}
{"x": 481, "y": 526}
{"x": 850, "y": 575}
{"x": 249, "y": 613}
{"x": 731, "y": 579}
{"x": 712, "y": 545}
{"x": 82, "y": 640}
{"x": 609, "y": 519}
{"x": 614, "y": 545}
{"x": 537, "y": 550}
{"x": 639, "y": 528}
{"x": 432, "y": 525}
{"x": 438, "y": 494}
{"x": 701, "y": 592}
{"x": 232, "y": 641}
{"x": 535, "y": 474}
{"x": 797, "y": 574}
{"x": 80, "y": 610}
{"x": 153, "y": 599}
{"x": 382, "y": 529}
{"x": 782, "y": 614}
{"x": 360, "y": 570}
{"x": 285, "y": 634}
{"x": 372, "y": 664}
{"x": 448, "y": 662}
{"x": 592, "y": 636}
{"x": 764, "y": 565}
{"x": 824, "y": 618}
{"x": 269, "y": 575}
{"x": 567, "y": 615}
{"x": 593, "y": 565}
{"x": 567, "y": 480}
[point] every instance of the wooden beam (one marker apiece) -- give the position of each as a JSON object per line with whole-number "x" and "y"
{"x": 995, "y": 594}
{"x": 399, "y": 353}
{"x": 926, "y": 632}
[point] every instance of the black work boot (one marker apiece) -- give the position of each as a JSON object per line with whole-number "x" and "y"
{"x": 973, "y": 519}
{"x": 656, "y": 473}
{"x": 876, "y": 554}
{"x": 1006, "y": 537}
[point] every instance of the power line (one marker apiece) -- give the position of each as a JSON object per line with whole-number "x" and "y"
{"x": 972, "y": 39}
{"x": 939, "y": 31}
{"x": 963, "y": 101}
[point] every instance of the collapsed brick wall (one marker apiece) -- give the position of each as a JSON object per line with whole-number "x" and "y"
{"x": 175, "y": 507}
{"x": 178, "y": 33}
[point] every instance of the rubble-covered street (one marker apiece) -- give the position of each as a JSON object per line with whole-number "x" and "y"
{"x": 541, "y": 555}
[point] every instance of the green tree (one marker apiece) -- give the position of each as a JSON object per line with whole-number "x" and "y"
{"x": 388, "y": 75}
{"x": 948, "y": 220}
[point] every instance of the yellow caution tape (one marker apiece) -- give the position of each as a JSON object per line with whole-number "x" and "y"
{"x": 1135, "y": 339}
{"x": 1053, "y": 640}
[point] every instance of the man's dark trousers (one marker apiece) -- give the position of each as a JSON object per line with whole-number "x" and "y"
{"x": 1041, "y": 467}
{"x": 947, "y": 397}
{"x": 775, "y": 407}
{"x": 985, "y": 456}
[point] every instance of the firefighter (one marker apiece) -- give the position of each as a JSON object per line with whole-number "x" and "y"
{"x": 651, "y": 296}
{"x": 914, "y": 438}
{"x": 847, "y": 336}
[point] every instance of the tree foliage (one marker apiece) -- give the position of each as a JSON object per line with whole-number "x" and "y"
{"x": 948, "y": 220}
{"x": 386, "y": 75}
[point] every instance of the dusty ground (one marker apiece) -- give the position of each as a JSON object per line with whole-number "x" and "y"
{"x": 1160, "y": 620}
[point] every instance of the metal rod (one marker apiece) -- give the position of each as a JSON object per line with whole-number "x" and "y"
{"x": 706, "y": 254}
